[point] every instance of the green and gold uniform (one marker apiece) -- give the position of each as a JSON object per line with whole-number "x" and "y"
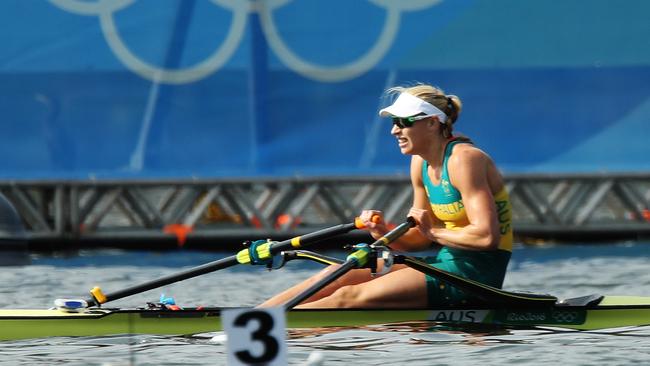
{"x": 488, "y": 267}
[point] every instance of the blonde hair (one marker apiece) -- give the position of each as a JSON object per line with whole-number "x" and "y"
{"x": 449, "y": 104}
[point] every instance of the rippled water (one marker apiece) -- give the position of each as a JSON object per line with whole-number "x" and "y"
{"x": 562, "y": 270}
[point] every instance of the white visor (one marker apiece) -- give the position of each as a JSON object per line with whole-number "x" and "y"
{"x": 408, "y": 105}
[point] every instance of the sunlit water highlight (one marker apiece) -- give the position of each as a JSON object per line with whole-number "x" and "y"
{"x": 562, "y": 270}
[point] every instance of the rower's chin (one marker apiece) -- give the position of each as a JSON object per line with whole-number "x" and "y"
{"x": 405, "y": 148}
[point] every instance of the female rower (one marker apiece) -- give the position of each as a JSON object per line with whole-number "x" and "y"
{"x": 459, "y": 202}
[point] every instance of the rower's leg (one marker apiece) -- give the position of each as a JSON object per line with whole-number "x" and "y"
{"x": 353, "y": 277}
{"x": 403, "y": 288}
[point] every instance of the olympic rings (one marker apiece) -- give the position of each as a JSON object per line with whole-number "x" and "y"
{"x": 412, "y": 5}
{"x": 173, "y": 76}
{"x": 104, "y": 9}
{"x": 565, "y": 316}
{"x": 86, "y": 8}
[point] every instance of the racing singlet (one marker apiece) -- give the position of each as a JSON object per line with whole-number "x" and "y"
{"x": 447, "y": 203}
{"x": 488, "y": 266}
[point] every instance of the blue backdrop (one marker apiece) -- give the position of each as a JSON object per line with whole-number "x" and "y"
{"x": 224, "y": 88}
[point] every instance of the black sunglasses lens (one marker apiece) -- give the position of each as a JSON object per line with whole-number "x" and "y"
{"x": 402, "y": 122}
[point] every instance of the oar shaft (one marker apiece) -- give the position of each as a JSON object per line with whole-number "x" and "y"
{"x": 340, "y": 271}
{"x": 296, "y": 242}
{"x": 317, "y": 236}
{"x": 180, "y": 276}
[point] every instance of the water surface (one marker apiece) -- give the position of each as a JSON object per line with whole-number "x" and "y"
{"x": 562, "y": 270}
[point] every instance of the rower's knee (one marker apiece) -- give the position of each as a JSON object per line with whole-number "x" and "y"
{"x": 348, "y": 297}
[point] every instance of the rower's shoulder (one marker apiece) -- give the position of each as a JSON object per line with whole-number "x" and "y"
{"x": 416, "y": 169}
{"x": 468, "y": 154}
{"x": 416, "y": 160}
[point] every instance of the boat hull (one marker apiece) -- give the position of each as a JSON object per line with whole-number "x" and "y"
{"x": 612, "y": 312}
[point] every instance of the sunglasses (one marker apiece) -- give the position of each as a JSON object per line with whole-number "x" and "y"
{"x": 406, "y": 122}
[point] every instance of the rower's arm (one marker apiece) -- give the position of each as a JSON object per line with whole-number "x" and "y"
{"x": 468, "y": 172}
{"x": 414, "y": 240}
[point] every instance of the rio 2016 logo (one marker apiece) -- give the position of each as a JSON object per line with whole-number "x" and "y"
{"x": 104, "y": 10}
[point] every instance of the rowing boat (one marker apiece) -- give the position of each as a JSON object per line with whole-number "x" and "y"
{"x": 584, "y": 313}
{"x": 487, "y": 305}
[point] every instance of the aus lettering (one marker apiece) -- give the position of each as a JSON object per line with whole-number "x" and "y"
{"x": 465, "y": 316}
{"x": 503, "y": 211}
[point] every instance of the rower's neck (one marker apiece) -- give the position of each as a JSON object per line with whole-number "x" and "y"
{"x": 436, "y": 153}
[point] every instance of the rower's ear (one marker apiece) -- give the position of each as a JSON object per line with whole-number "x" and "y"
{"x": 431, "y": 123}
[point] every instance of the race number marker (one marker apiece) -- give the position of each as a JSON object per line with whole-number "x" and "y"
{"x": 255, "y": 336}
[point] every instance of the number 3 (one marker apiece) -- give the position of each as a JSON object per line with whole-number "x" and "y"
{"x": 270, "y": 344}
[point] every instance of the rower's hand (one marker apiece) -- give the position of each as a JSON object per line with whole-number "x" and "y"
{"x": 373, "y": 221}
{"x": 424, "y": 222}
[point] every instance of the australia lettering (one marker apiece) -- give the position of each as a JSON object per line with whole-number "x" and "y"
{"x": 448, "y": 208}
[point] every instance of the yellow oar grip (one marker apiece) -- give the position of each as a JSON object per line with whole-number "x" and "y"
{"x": 243, "y": 257}
{"x": 98, "y": 295}
{"x": 262, "y": 251}
{"x": 295, "y": 242}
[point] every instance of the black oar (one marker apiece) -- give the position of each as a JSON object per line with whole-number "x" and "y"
{"x": 358, "y": 259}
{"x": 254, "y": 254}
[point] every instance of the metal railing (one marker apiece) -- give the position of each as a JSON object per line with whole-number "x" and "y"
{"x": 544, "y": 206}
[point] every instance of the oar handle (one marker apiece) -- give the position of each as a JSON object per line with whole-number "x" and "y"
{"x": 394, "y": 234}
{"x": 322, "y": 234}
{"x": 98, "y": 297}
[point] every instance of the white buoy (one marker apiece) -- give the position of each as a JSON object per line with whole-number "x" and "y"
{"x": 315, "y": 359}
{"x": 219, "y": 339}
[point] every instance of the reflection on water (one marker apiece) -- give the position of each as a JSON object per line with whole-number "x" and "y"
{"x": 416, "y": 344}
{"x": 370, "y": 337}
{"x": 564, "y": 271}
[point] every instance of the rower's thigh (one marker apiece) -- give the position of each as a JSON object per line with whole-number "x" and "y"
{"x": 354, "y": 277}
{"x": 401, "y": 288}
